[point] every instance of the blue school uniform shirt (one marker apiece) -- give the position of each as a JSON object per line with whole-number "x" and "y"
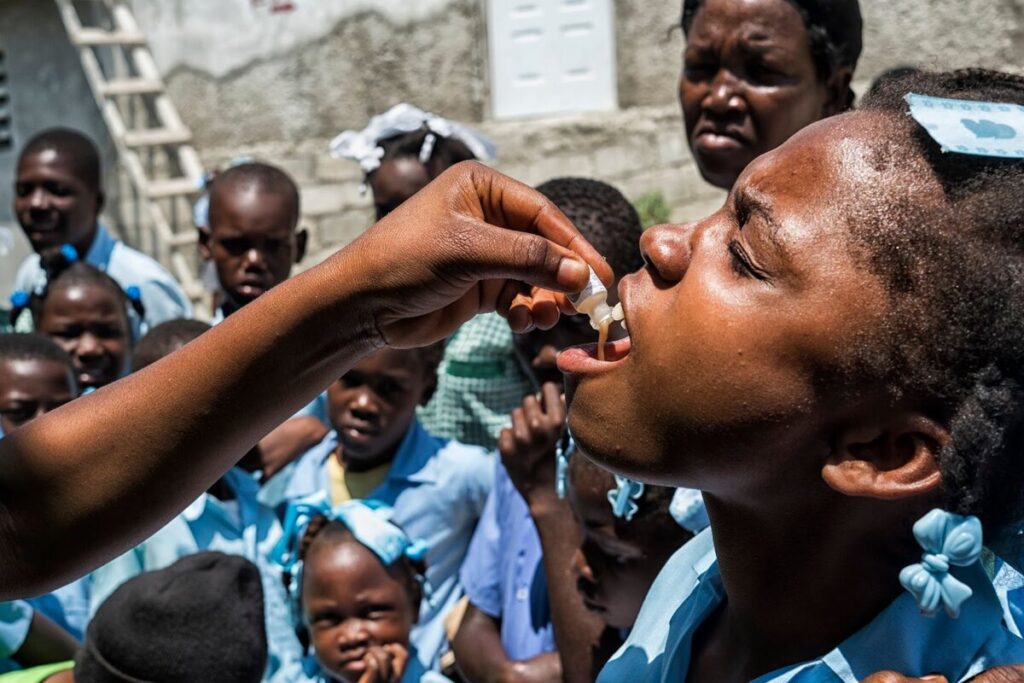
{"x": 15, "y": 621}
{"x": 309, "y": 671}
{"x": 437, "y": 489}
{"x": 68, "y": 606}
{"x": 900, "y": 638}
{"x": 161, "y": 294}
{"x": 240, "y": 527}
{"x": 504, "y": 572}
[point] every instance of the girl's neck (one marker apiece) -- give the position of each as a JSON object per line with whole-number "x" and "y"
{"x": 801, "y": 576}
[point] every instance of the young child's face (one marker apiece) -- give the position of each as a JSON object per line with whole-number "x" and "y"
{"x": 352, "y": 602}
{"x": 253, "y": 242}
{"x": 30, "y": 388}
{"x": 374, "y": 403}
{"x": 749, "y": 82}
{"x": 617, "y": 561}
{"x": 395, "y": 181}
{"x": 736, "y": 317}
{"x": 91, "y": 324}
{"x": 53, "y": 205}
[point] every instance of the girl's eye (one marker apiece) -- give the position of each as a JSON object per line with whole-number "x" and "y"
{"x": 741, "y": 263}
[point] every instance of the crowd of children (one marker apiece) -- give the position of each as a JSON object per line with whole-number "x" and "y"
{"x": 831, "y": 362}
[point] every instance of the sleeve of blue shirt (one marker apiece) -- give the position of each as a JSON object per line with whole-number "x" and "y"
{"x": 107, "y": 578}
{"x": 481, "y": 570}
{"x": 15, "y": 620}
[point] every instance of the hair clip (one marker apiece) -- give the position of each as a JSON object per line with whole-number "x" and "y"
{"x": 947, "y": 539}
{"x": 989, "y": 129}
{"x": 624, "y": 496}
{"x": 562, "y": 455}
{"x": 69, "y": 253}
{"x": 134, "y": 293}
{"x": 19, "y": 299}
{"x": 427, "y": 149}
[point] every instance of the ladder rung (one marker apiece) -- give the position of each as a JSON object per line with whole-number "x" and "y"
{"x": 131, "y": 86}
{"x": 171, "y": 187}
{"x": 88, "y": 37}
{"x": 155, "y": 137}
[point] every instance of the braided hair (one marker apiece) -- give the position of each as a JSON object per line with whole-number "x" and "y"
{"x": 63, "y": 269}
{"x": 445, "y": 153}
{"x": 835, "y": 29}
{"x": 955, "y": 277}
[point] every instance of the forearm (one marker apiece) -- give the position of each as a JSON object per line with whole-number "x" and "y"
{"x": 46, "y": 643}
{"x": 577, "y": 629}
{"x": 92, "y": 478}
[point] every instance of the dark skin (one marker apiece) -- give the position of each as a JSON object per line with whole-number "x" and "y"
{"x": 359, "y": 612}
{"x": 395, "y": 181}
{"x": 373, "y": 405}
{"x": 68, "y": 481}
{"x": 53, "y": 204}
{"x": 90, "y": 323}
{"x": 481, "y": 657}
{"x": 617, "y": 560}
{"x": 749, "y": 82}
{"x": 45, "y": 643}
{"x": 254, "y": 243}
{"x": 30, "y": 388}
{"x": 756, "y": 300}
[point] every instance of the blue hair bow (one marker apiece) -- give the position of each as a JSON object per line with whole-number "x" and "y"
{"x": 133, "y": 293}
{"x": 69, "y": 253}
{"x": 624, "y": 496}
{"x": 19, "y": 298}
{"x": 947, "y": 539}
{"x": 562, "y": 456}
{"x": 369, "y": 521}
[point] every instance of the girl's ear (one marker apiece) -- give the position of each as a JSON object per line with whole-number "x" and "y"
{"x": 898, "y": 459}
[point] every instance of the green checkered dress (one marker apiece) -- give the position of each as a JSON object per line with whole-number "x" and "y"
{"x": 479, "y": 384}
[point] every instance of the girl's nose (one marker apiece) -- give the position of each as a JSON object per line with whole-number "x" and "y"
{"x": 352, "y": 634}
{"x": 88, "y": 345}
{"x": 39, "y": 199}
{"x": 667, "y": 250}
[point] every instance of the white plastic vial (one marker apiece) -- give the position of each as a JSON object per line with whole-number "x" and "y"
{"x": 592, "y": 301}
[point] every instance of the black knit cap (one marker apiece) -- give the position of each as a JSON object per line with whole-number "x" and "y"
{"x": 836, "y": 29}
{"x": 201, "y": 619}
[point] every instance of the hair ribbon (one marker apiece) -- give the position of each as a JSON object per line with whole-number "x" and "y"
{"x": 947, "y": 540}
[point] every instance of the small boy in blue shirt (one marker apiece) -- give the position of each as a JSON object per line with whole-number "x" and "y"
{"x": 58, "y": 198}
{"x": 378, "y": 450}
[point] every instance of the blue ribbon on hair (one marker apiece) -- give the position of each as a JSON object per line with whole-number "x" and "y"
{"x": 624, "y": 497}
{"x": 69, "y": 253}
{"x": 19, "y": 298}
{"x": 133, "y": 293}
{"x": 947, "y": 539}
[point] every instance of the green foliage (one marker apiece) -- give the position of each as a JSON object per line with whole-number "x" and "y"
{"x": 653, "y": 208}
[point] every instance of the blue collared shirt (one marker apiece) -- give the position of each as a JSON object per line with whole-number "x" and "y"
{"x": 309, "y": 671}
{"x": 900, "y": 638}
{"x": 437, "y": 489}
{"x": 68, "y": 606}
{"x": 504, "y": 572}
{"x": 240, "y": 527}
{"x": 161, "y": 294}
{"x": 15, "y": 621}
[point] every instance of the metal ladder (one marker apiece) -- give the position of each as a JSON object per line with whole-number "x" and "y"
{"x": 160, "y": 168}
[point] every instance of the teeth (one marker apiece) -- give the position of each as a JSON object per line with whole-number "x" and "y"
{"x": 618, "y": 314}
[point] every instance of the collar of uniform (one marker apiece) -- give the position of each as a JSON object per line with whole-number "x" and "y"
{"x": 101, "y": 249}
{"x": 412, "y": 459}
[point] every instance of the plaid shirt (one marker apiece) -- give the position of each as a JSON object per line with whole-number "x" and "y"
{"x": 479, "y": 384}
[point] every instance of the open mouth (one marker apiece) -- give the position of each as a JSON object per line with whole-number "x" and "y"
{"x": 585, "y": 359}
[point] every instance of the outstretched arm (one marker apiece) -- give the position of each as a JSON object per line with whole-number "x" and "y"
{"x": 87, "y": 481}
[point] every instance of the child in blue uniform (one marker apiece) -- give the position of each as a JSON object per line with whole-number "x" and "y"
{"x": 88, "y": 315}
{"x": 58, "y": 197}
{"x": 830, "y": 357}
{"x": 359, "y": 582}
{"x": 37, "y": 376}
{"x": 378, "y": 450}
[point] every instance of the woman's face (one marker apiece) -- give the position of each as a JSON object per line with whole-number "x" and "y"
{"x": 735, "y": 319}
{"x": 748, "y": 83}
{"x": 91, "y": 324}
